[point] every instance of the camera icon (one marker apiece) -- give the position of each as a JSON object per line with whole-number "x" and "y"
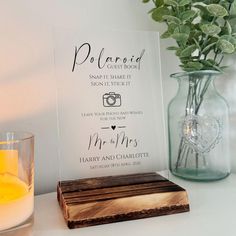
{"x": 111, "y": 99}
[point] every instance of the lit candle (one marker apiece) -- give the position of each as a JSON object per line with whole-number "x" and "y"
{"x": 16, "y": 198}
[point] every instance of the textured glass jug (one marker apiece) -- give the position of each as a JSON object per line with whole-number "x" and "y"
{"x": 198, "y": 128}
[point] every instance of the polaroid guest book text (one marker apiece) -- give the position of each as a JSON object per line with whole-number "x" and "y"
{"x": 83, "y": 53}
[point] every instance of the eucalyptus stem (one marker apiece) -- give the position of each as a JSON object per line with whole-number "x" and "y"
{"x": 194, "y": 101}
{"x": 202, "y": 94}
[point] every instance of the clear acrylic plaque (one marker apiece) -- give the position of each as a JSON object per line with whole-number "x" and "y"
{"x": 110, "y": 103}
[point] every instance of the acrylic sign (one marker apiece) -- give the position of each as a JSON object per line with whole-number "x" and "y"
{"x": 110, "y": 108}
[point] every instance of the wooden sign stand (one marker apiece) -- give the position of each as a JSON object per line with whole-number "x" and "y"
{"x": 102, "y": 200}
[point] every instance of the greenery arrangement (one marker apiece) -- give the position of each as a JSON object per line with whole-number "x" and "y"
{"x": 205, "y": 31}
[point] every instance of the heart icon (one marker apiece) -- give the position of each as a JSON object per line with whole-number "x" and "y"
{"x": 202, "y": 133}
{"x": 113, "y": 127}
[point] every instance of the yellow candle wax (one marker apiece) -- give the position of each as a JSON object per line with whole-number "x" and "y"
{"x": 9, "y": 162}
{"x": 16, "y": 201}
{"x": 11, "y": 188}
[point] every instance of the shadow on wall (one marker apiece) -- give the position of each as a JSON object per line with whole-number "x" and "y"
{"x": 28, "y": 103}
{"x": 28, "y": 94}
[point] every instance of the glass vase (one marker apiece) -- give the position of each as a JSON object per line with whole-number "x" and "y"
{"x": 198, "y": 128}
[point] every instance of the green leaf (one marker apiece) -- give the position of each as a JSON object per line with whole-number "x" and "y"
{"x": 225, "y": 46}
{"x": 208, "y": 47}
{"x": 169, "y": 32}
{"x": 159, "y": 3}
{"x": 151, "y": 11}
{"x": 172, "y": 48}
{"x": 146, "y": 1}
{"x": 166, "y": 35}
{"x": 210, "y": 29}
{"x": 180, "y": 37}
{"x": 187, "y": 15}
{"x": 172, "y": 27}
{"x": 197, "y": 43}
{"x": 211, "y": 65}
{"x": 204, "y": 13}
{"x": 231, "y": 17}
{"x": 172, "y": 19}
{"x": 208, "y": 63}
{"x": 183, "y": 3}
{"x": 158, "y": 13}
{"x": 217, "y": 68}
{"x": 229, "y": 28}
{"x": 188, "y": 51}
{"x": 195, "y": 65}
{"x": 182, "y": 29}
{"x": 188, "y": 69}
{"x": 224, "y": 67}
{"x": 229, "y": 38}
{"x": 233, "y": 40}
{"x": 211, "y": 61}
{"x": 224, "y": 30}
{"x": 172, "y": 3}
{"x": 217, "y": 10}
{"x": 177, "y": 53}
{"x": 195, "y": 33}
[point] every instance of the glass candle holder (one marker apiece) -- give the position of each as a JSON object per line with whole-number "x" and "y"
{"x": 16, "y": 179}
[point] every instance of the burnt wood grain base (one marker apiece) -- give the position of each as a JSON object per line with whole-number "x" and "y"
{"x": 95, "y": 201}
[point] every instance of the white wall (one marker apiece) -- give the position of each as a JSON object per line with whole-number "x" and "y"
{"x": 27, "y": 97}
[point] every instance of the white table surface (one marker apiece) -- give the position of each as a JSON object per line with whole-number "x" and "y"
{"x": 213, "y": 213}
